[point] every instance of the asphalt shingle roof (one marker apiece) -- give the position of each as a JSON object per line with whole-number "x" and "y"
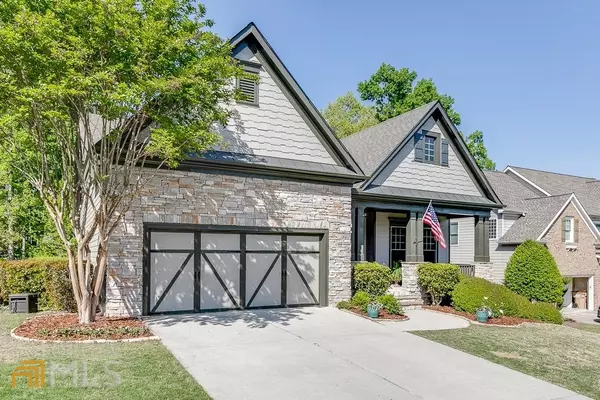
{"x": 538, "y": 212}
{"x": 512, "y": 192}
{"x": 373, "y": 145}
{"x": 586, "y": 189}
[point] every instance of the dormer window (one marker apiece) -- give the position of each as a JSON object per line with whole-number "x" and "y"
{"x": 247, "y": 86}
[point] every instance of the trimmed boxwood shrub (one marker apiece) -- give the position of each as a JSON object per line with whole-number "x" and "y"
{"x": 361, "y": 300}
{"x": 390, "y": 304}
{"x": 47, "y": 276}
{"x": 533, "y": 273}
{"x": 438, "y": 280}
{"x": 471, "y": 293}
{"x": 373, "y": 278}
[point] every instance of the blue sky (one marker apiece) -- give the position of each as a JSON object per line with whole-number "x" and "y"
{"x": 526, "y": 73}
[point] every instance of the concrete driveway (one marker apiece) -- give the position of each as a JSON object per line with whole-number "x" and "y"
{"x": 324, "y": 353}
{"x": 583, "y": 316}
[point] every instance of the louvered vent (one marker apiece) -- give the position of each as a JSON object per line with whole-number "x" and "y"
{"x": 248, "y": 87}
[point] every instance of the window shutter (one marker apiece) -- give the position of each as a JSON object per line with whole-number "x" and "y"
{"x": 563, "y": 230}
{"x": 445, "y": 152}
{"x": 419, "y": 146}
{"x": 575, "y": 230}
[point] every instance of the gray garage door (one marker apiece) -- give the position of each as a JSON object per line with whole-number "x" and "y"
{"x": 211, "y": 269}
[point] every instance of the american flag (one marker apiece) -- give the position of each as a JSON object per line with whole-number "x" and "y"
{"x": 431, "y": 219}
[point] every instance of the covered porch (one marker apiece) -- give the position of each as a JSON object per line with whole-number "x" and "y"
{"x": 393, "y": 233}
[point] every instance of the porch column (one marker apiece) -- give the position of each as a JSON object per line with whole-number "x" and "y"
{"x": 370, "y": 235}
{"x": 414, "y": 238}
{"x": 359, "y": 248}
{"x": 482, "y": 240}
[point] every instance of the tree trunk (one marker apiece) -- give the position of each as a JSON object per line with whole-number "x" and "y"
{"x": 87, "y": 310}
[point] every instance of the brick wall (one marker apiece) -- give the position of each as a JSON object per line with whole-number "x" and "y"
{"x": 210, "y": 198}
{"x": 581, "y": 261}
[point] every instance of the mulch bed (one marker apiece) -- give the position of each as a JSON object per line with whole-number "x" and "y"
{"x": 382, "y": 314}
{"x": 492, "y": 321}
{"x": 66, "y": 327}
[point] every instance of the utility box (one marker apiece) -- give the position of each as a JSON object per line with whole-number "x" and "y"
{"x": 23, "y": 303}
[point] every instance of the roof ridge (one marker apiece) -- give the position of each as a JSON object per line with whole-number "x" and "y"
{"x": 551, "y": 172}
{"x": 550, "y": 197}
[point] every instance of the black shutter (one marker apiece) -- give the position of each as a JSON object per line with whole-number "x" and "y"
{"x": 419, "y": 146}
{"x": 445, "y": 152}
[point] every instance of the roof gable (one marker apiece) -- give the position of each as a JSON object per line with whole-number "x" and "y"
{"x": 250, "y": 45}
{"x": 377, "y": 147}
{"x": 540, "y": 214}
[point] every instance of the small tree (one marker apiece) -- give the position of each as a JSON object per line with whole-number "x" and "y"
{"x": 91, "y": 92}
{"x": 533, "y": 273}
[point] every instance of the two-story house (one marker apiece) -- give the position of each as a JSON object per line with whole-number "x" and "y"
{"x": 561, "y": 211}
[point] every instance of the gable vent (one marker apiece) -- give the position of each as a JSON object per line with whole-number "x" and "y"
{"x": 249, "y": 90}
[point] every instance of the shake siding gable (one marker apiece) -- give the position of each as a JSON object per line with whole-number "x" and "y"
{"x": 403, "y": 171}
{"x": 274, "y": 127}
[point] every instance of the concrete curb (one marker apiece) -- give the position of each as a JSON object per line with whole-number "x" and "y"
{"x": 376, "y": 320}
{"x": 480, "y": 324}
{"x": 26, "y": 339}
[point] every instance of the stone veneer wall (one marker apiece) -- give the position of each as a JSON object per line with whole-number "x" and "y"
{"x": 485, "y": 271}
{"x": 243, "y": 200}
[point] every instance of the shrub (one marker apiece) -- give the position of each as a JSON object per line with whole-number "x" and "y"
{"x": 533, "y": 273}
{"x": 361, "y": 300}
{"x": 49, "y": 277}
{"x": 373, "y": 278}
{"x": 471, "y": 293}
{"x": 438, "y": 280}
{"x": 344, "y": 305}
{"x": 390, "y": 304}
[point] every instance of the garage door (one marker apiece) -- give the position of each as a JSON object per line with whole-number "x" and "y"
{"x": 211, "y": 269}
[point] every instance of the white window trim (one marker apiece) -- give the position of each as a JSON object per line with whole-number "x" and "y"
{"x": 571, "y": 238}
{"x": 457, "y": 234}
{"x": 496, "y": 230}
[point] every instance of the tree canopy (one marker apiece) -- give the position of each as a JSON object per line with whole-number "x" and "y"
{"x": 394, "y": 91}
{"x": 347, "y": 115}
{"x": 479, "y": 151}
{"x": 93, "y": 93}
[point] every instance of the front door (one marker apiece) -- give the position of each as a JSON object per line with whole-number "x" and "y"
{"x": 397, "y": 245}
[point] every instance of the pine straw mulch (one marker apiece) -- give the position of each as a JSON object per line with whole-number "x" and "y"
{"x": 382, "y": 314}
{"x": 66, "y": 327}
{"x": 506, "y": 321}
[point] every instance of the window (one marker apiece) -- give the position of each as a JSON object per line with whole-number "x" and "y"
{"x": 429, "y": 245}
{"x": 493, "y": 229}
{"x": 429, "y": 149}
{"x": 454, "y": 233}
{"x": 398, "y": 238}
{"x": 568, "y": 231}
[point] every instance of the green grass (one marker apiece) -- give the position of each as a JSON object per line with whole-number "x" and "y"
{"x": 561, "y": 355}
{"x": 146, "y": 370}
{"x": 593, "y": 328}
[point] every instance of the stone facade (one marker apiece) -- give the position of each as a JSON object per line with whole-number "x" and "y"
{"x": 579, "y": 261}
{"x": 485, "y": 271}
{"x": 409, "y": 293}
{"x": 242, "y": 200}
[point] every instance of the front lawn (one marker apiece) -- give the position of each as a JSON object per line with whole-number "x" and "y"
{"x": 145, "y": 370}
{"x": 562, "y": 355}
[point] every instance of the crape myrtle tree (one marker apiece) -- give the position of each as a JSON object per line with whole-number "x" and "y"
{"x": 95, "y": 96}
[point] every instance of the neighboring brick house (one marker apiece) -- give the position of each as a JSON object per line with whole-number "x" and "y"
{"x": 535, "y": 209}
{"x": 277, "y": 214}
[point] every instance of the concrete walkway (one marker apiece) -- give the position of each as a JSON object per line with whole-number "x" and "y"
{"x": 324, "y": 353}
{"x": 579, "y": 315}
